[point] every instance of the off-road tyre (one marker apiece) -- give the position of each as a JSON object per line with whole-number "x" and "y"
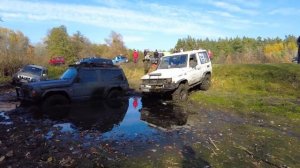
{"x": 181, "y": 93}
{"x": 115, "y": 94}
{"x": 205, "y": 85}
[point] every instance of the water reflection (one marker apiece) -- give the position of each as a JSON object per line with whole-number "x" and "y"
{"x": 102, "y": 115}
{"x": 118, "y": 119}
{"x": 163, "y": 114}
{"x": 5, "y": 119}
{"x": 131, "y": 127}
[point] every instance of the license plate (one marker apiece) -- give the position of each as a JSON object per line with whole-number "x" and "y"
{"x": 146, "y": 90}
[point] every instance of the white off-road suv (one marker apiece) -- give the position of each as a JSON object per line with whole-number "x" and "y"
{"x": 177, "y": 73}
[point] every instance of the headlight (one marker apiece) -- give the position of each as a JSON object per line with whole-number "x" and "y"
{"x": 144, "y": 81}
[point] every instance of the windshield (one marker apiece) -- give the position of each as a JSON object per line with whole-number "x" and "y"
{"x": 178, "y": 61}
{"x": 69, "y": 74}
{"x": 32, "y": 70}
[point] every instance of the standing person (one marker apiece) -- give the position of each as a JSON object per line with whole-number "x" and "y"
{"x": 145, "y": 52}
{"x": 155, "y": 54}
{"x": 147, "y": 63}
{"x": 210, "y": 54}
{"x": 298, "y": 42}
{"x": 135, "y": 56}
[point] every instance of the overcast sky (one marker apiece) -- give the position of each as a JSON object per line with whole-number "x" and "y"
{"x": 153, "y": 24}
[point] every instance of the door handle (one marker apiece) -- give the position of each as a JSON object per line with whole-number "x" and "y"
{"x": 208, "y": 66}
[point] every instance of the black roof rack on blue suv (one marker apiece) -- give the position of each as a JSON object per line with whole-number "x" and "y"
{"x": 95, "y": 60}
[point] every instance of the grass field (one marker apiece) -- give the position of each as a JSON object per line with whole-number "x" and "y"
{"x": 267, "y": 88}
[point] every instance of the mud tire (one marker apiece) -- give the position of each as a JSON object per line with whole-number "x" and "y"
{"x": 115, "y": 94}
{"x": 181, "y": 93}
{"x": 205, "y": 85}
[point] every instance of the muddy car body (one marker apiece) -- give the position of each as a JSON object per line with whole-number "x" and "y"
{"x": 177, "y": 73}
{"x": 78, "y": 83}
{"x": 30, "y": 73}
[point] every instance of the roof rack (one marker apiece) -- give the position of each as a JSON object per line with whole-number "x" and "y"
{"x": 92, "y": 64}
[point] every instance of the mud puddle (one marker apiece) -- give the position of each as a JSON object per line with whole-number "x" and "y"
{"x": 142, "y": 133}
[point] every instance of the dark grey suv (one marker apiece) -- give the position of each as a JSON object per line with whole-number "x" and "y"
{"x": 30, "y": 73}
{"x": 78, "y": 83}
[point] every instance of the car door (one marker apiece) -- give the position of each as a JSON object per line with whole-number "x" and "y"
{"x": 205, "y": 63}
{"x": 111, "y": 78}
{"x": 194, "y": 69}
{"x": 86, "y": 84}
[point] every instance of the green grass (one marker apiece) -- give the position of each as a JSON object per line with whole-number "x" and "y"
{"x": 54, "y": 72}
{"x": 266, "y": 88}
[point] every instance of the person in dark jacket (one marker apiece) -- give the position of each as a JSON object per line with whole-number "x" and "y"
{"x": 155, "y": 54}
{"x": 298, "y": 42}
{"x": 147, "y": 63}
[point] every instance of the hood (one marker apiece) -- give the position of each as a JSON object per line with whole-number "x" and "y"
{"x": 165, "y": 73}
{"x": 50, "y": 84}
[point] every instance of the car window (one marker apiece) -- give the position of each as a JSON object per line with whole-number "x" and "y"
{"x": 193, "y": 60}
{"x": 203, "y": 57}
{"x": 177, "y": 61}
{"x": 112, "y": 75}
{"x": 69, "y": 74}
{"x": 32, "y": 70}
{"x": 87, "y": 76}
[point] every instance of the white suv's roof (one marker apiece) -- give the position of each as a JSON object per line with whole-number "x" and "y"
{"x": 187, "y": 52}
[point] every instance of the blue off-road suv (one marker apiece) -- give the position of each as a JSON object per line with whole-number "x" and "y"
{"x": 84, "y": 81}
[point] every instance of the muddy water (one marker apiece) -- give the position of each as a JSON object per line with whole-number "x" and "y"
{"x": 155, "y": 133}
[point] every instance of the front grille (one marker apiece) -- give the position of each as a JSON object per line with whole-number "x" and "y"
{"x": 155, "y": 81}
{"x": 24, "y": 77}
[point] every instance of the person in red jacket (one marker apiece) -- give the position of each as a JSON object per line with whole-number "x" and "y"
{"x": 210, "y": 54}
{"x": 135, "y": 56}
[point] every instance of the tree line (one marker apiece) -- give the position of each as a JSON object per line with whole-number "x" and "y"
{"x": 244, "y": 50}
{"x": 16, "y": 50}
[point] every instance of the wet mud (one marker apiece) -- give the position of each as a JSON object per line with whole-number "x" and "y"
{"x": 142, "y": 133}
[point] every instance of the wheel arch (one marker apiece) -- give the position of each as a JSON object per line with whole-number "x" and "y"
{"x": 113, "y": 88}
{"x": 51, "y": 93}
{"x": 182, "y": 81}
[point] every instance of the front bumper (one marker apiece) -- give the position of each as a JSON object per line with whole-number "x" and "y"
{"x": 24, "y": 95}
{"x": 158, "y": 88}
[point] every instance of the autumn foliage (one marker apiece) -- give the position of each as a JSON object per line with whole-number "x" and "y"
{"x": 16, "y": 50}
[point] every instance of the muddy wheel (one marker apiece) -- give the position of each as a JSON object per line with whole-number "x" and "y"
{"x": 181, "y": 93}
{"x": 206, "y": 82}
{"x": 115, "y": 94}
{"x": 55, "y": 105}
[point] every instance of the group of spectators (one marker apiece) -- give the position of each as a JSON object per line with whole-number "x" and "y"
{"x": 148, "y": 60}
